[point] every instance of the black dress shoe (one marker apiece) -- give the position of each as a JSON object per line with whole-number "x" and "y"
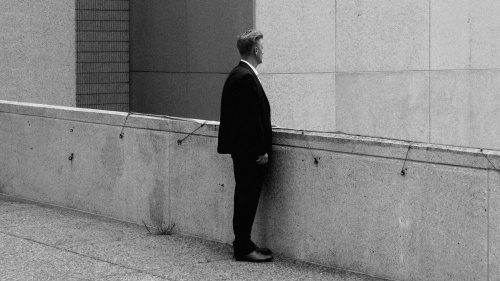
{"x": 264, "y": 251}
{"x": 254, "y": 257}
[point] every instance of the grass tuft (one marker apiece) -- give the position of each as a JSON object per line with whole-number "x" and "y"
{"x": 160, "y": 229}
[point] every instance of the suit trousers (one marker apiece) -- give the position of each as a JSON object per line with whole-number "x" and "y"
{"x": 249, "y": 177}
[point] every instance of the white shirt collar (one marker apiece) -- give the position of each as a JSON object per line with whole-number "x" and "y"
{"x": 251, "y": 66}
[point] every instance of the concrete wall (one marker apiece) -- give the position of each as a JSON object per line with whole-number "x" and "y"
{"x": 416, "y": 70}
{"x": 181, "y": 53}
{"x": 37, "y": 57}
{"x": 333, "y": 199}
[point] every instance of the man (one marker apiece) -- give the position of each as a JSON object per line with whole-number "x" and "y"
{"x": 245, "y": 133}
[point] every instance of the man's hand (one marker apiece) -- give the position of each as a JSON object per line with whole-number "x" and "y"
{"x": 263, "y": 159}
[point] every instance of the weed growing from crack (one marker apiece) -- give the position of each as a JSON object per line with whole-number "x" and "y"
{"x": 160, "y": 229}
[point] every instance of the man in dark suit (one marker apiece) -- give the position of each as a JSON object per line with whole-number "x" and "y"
{"x": 245, "y": 133}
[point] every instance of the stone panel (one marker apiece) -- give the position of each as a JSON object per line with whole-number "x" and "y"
{"x": 390, "y": 105}
{"x": 102, "y": 25}
{"x": 465, "y": 34}
{"x": 430, "y": 224}
{"x": 38, "y": 52}
{"x": 384, "y": 35}
{"x": 105, "y": 5}
{"x": 204, "y": 92}
{"x": 159, "y": 93}
{"x": 108, "y": 36}
{"x": 97, "y": 78}
{"x": 302, "y": 101}
{"x": 464, "y": 109}
{"x": 486, "y": 30}
{"x": 114, "y": 57}
{"x": 450, "y": 34}
{"x": 102, "y": 15}
{"x": 298, "y": 37}
{"x": 158, "y": 31}
{"x": 102, "y": 47}
{"x": 212, "y": 30}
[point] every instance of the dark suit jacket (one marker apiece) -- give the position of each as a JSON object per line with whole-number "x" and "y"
{"x": 245, "y": 119}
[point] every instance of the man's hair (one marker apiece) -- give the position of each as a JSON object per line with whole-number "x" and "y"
{"x": 247, "y": 40}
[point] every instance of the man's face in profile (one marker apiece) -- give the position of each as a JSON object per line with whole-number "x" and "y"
{"x": 260, "y": 50}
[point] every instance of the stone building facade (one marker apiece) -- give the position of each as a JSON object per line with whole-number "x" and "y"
{"x": 419, "y": 70}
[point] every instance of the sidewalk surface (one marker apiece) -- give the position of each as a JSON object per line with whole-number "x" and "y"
{"x": 41, "y": 242}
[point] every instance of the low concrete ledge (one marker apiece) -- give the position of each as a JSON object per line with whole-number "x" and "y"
{"x": 330, "y": 198}
{"x": 387, "y": 148}
{"x": 333, "y": 142}
{"x": 111, "y": 118}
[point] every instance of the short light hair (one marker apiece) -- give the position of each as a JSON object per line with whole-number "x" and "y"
{"x": 247, "y": 40}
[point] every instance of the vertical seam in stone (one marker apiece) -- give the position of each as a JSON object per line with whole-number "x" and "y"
{"x": 429, "y": 79}
{"x": 186, "y": 54}
{"x": 430, "y": 69}
{"x": 169, "y": 180}
{"x": 335, "y": 40}
{"x": 254, "y": 20}
{"x": 335, "y": 69}
{"x": 186, "y": 25}
{"x": 488, "y": 224}
{"x": 469, "y": 21}
{"x": 430, "y": 34}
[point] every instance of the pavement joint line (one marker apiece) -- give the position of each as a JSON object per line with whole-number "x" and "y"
{"x": 83, "y": 255}
{"x": 92, "y": 242}
{"x": 199, "y": 263}
{"x": 211, "y": 261}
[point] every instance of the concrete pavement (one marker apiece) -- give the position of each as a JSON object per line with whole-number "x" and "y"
{"x": 42, "y": 242}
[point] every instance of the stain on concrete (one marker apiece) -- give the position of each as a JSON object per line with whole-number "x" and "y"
{"x": 6, "y": 178}
{"x": 157, "y": 200}
{"x": 112, "y": 158}
{"x": 151, "y": 146}
{"x": 145, "y": 153}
